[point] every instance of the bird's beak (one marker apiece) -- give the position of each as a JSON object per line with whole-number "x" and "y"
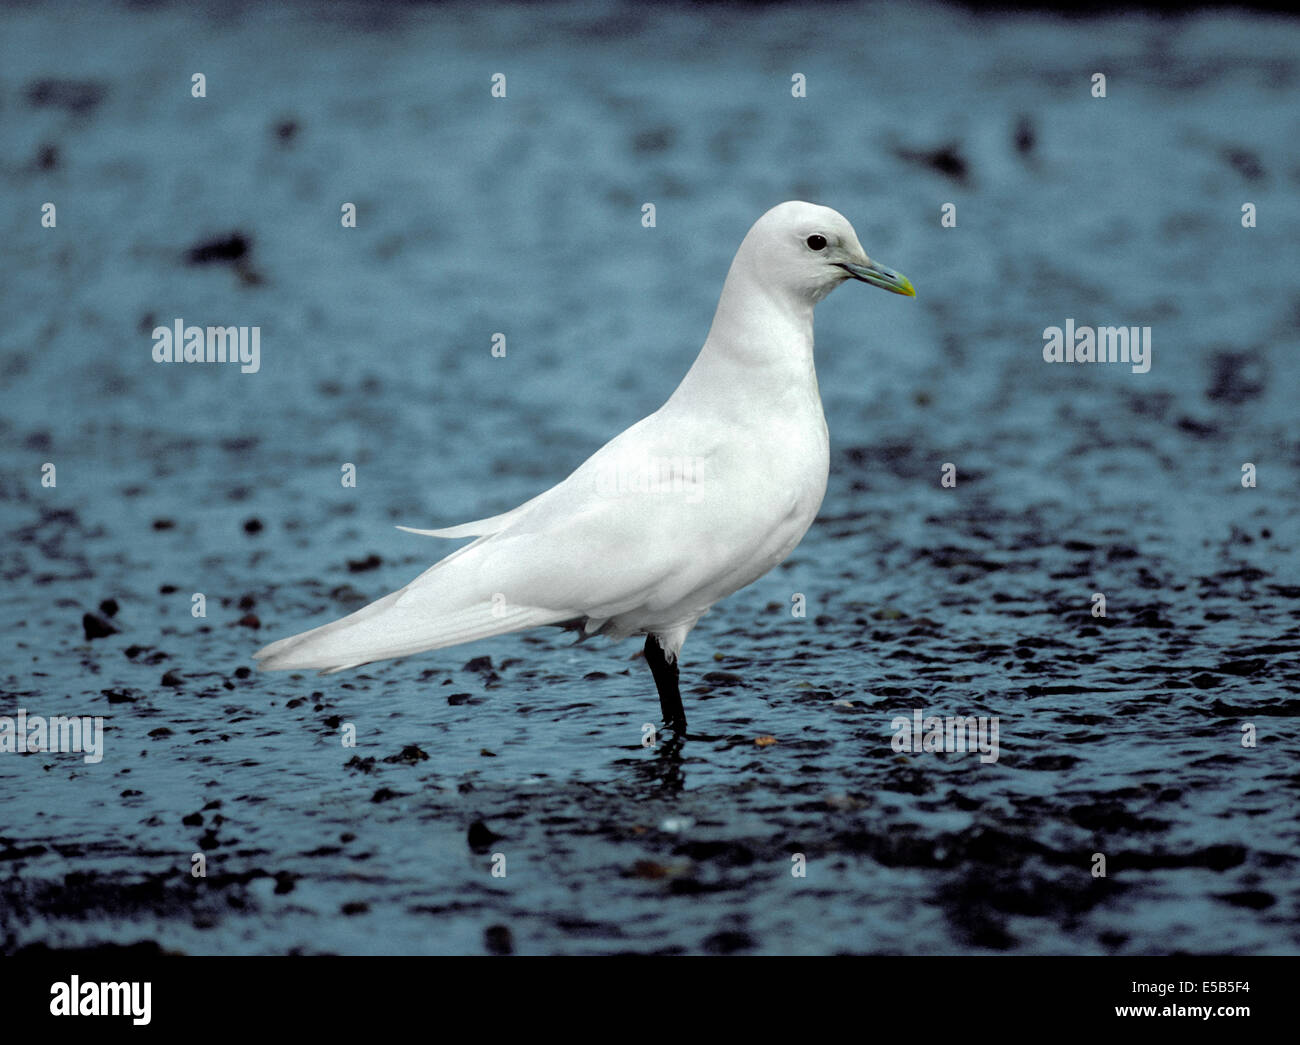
{"x": 879, "y": 276}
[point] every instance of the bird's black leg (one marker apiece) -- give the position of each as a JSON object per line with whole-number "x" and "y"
{"x": 665, "y": 673}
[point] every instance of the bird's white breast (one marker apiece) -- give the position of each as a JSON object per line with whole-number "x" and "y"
{"x": 759, "y": 487}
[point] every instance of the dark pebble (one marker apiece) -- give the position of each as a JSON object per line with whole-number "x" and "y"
{"x": 75, "y": 96}
{"x": 1245, "y": 163}
{"x": 410, "y": 755}
{"x": 497, "y": 940}
{"x": 1254, "y": 899}
{"x": 231, "y": 248}
{"x": 946, "y": 160}
{"x": 1150, "y": 618}
{"x": 728, "y": 943}
{"x": 97, "y": 627}
{"x": 1237, "y": 377}
{"x": 1200, "y": 429}
{"x": 1024, "y": 136}
{"x": 480, "y": 836}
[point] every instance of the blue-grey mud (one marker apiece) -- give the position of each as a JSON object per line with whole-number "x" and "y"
{"x": 1127, "y": 735}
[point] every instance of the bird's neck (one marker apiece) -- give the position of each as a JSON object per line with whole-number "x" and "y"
{"x": 760, "y": 344}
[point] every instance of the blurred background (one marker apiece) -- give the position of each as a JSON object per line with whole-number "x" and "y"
{"x": 522, "y": 215}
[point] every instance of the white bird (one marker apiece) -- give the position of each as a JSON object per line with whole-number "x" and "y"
{"x": 684, "y": 508}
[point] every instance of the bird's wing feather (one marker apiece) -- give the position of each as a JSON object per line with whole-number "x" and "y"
{"x": 581, "y": 549}
{"x": 479, "y": 527}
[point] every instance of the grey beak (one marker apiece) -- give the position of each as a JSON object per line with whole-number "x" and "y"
{"x": 879, "y": 276}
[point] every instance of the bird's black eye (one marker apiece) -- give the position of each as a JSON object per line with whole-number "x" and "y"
{"x": 816, "y": 242}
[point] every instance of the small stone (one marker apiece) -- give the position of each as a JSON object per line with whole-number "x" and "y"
{"x": 410, "y": 755}
{"x": 497, "y": 940}
{"x": 480, "y": 836}
{"x": 231, "y": 248}
{"x": 97, "y": 627}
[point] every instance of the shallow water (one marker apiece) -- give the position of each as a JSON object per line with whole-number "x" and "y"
{"x": 1118, "y": 735}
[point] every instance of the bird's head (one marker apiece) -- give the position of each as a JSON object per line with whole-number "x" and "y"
{"x": 809, "y": 250}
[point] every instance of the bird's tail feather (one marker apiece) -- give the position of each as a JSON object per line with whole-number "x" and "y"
{"x": 383, "y": 630}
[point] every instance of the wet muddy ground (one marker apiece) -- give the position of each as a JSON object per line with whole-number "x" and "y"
{"x": 1119, "y": 735}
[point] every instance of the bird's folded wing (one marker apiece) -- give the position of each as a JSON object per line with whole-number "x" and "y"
{"x": 479, "y": 527}
{"x": 576, "y": 557}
